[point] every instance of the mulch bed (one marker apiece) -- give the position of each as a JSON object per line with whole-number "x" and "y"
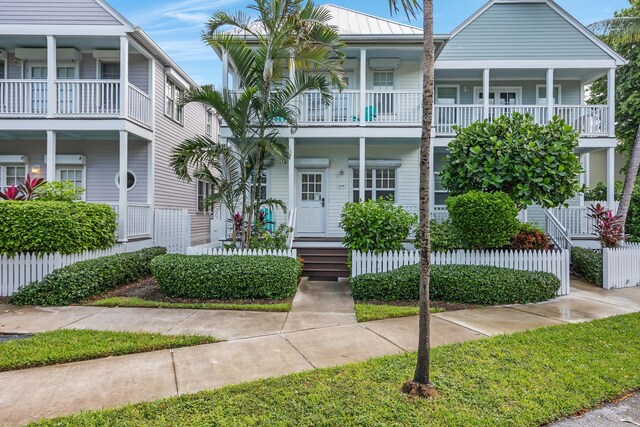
{"x": 147, "y": 289}
{"x": 447, "y": 306}
{"x": 4, "y": 300}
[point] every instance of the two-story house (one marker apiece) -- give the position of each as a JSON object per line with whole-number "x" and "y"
{"x": 526, "y": 56}
{"x": 86, "y": 96}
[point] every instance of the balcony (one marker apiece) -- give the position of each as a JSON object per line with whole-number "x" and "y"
{"x": 74, "y": 98}
{"x": 396, "y": 108}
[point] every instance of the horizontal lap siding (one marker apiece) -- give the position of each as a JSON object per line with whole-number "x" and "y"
{"x": 139, "y": 72}
{"x": 170, "y": 192}
{"x": 520, "y": 31}
{"x": 50, "y": 12}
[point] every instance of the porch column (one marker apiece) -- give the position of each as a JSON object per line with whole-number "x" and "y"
{"x": 122, "y": 199}
{"x": 611, "y": 101}
{"x": 550, "y": 103}
{"x": 52, "y": 70}
{"x": 611, "y": 181}
{"x": 362, "y": 169}
{"x": 292, "y": 174}
{"x": 485, "y": 92}
{"x": 51, "y": 155}
{"x": 225, "y": 70}
{"x": 124, "y": 76}
{"x": 582, "y": 178}
{"x": 587, "y": 169}
{"x": 363, "y": 87}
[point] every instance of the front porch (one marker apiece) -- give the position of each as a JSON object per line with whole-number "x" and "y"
{"x": 90, "y": 159}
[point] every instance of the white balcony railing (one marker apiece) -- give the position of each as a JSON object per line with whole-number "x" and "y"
{"x": 344, "y": 108}
{"x": 88, "y": 97}
{"x": 139, "y": 105}
{"x": 138, "y": 218}
{"x": 539, "y": 113}
{"x": 445, "y": 117}
{"x": 393, "y": 106}
{"x": 589, "y": 120}
{"x": 23, "y": 97}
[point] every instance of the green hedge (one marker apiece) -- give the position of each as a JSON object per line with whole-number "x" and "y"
{"x": 227, "y": 277}
{"x": 587, "y": 263}
{"x": 49, "y": 227}
{"x": 458, "y": 283}
{"x": 84, "y": 279}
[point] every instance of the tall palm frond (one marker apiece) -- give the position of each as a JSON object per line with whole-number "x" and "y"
{"x": 620, "y": 29}
{"x": 410, "y": 7}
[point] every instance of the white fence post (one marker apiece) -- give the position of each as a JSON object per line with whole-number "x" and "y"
{"x": 173, "y": 230}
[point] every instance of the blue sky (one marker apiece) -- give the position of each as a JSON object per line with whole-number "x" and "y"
{"x": 176, "y": 24}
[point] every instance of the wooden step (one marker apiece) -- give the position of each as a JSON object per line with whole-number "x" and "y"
{"x": 324, "y": 262}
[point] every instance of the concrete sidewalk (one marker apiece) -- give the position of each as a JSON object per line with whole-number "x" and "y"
{"x": 319, "y": 331}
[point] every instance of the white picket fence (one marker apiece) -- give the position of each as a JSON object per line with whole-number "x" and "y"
{"x": 621, "y": 267}
{"x": 21, "y": 269}
{"x": 555, "y": 262}
{"x": 172, "y": 230}
{"x": 209, "y": 250}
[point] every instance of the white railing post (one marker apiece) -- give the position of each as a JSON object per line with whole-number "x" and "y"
{"x": 124, "y": 76}
{"x": 363, "y": 86}
{"x": 550, "y": 100}
{"x": 611, "y": 102}
{"x": 52, "y": 69}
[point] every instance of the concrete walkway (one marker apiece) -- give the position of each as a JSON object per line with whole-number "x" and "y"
{"x": 625, "y": 412}
{"x": 320, "y": 331}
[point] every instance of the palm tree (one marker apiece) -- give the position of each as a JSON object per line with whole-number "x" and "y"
{"x": 285, "y": 34}
{"x": 623, "y": 30}
{"x": 421, "y": 384}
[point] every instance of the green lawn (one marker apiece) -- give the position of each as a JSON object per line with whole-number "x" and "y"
{"x": 62, "y": 346}
{"x": 524, "y": 379}
{"x": 369, "y": 312}
{"x": 139, "y": 302}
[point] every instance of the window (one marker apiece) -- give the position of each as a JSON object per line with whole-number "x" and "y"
{"x": 264, "y": 185}
{"x": 384, "y": 102}
{"x": 441, "y": 194}
{"x": 110, "y": 71}
{"x": 12, "y": 175}
{"x": 209, "y": 123}
{"x": 74, "y": 175}
{"x": 205, "y": 189}
{"x": 379, "y": 183}
{"x": 541, "y": 95}
{"x": 131, "y": 180}
{"x": 172, "y": 95}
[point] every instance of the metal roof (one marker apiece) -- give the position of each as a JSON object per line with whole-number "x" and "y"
{"x": 352, "y": 22}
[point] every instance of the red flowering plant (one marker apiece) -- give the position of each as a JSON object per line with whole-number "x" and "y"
{"x": 11, "y": 193}
{"x": 608, "y": 227}
{"x": 29, "y": 187}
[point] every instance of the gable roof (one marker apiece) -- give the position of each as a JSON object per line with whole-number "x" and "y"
{"x": 559, "y": 10}
{"x": 353, "y": 22}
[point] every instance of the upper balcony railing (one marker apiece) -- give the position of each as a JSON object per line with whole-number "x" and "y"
{"x": 397, "y": 107}
{"x": 74, "y": 98}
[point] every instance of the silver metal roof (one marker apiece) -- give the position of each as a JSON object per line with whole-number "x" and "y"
{"x": 352, "y": 22}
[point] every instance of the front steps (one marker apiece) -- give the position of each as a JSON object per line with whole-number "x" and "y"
{"x": 323, "y": 262}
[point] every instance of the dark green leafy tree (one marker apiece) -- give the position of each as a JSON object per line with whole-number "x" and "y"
{"x": 533, "y": 164}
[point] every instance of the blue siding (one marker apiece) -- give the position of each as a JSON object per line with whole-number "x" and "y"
{"x": 520, "y": 31}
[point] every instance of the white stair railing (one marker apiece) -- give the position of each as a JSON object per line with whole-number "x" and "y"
{"x": 291, "y": 223}
{"x": 557, "y": 231}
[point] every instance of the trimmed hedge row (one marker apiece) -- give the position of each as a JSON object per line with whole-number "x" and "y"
{"x": 49, "y": 227}
{"x": 227, "y": 277}
{"x": 84, "y": 279}
{"x": 467, "y": 284}
{"x": 587, "y": 263}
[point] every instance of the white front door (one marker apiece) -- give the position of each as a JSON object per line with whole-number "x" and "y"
{"x": 311, "y": 202}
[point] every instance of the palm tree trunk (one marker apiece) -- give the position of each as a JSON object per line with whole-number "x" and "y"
{"x": 421, "y": 384}
{"x": 630, "y": 180}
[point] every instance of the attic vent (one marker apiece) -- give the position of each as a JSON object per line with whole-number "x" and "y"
{"x": 384, "y": 64}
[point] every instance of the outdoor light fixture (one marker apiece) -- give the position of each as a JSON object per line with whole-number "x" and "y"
{"x": 35, "y": 169}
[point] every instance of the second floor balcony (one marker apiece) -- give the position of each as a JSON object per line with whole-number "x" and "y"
{"x": 404, "y": 108}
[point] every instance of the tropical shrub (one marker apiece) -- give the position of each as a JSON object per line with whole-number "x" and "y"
{"x": 76, "y": 282}
{"x": 444, "y": 237}
{"x": 587, "y": 264}
{"x": 49, "y": 227}
{"x": 599, "y": 192}
{"x": 277, "y": 240}
{"x": 59, "y": 191}
{"x": 484, "y": 220}
{"x": 533, "y": 164}
{"x": 26, "y": 190}
{"x": 466, "y": 284}
{"x": 531, "y": 237}
{"x": 227, "y": 277}
{"x": 608, "y": 227}
{"x": 376, "y": 226}
{"x": 633, "y": 217}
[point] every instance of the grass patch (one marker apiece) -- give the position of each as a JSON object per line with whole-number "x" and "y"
{"x": 370, "y": 312}
{"x": 69, "y": 345}
{"x": 524, "y": 379}
{"x": 139, "y": 302}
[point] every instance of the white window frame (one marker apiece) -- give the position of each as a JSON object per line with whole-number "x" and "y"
{"x": 83, "y": 169}
{"x": 73, "y": 65}
{"x": 3, "y": 173}
{"x": 477, "y": 90}
{"x": 373, "y": 190}
{"x": 208, "y": 190}
{"x": 538, "y": 98}
{"x": 208, "y": 126}
{"x": 456, "y": 87}
{"x": 135, "y": 180}
{"x": 177, "y": 113}
{"x": 389, "y": 97}
{"x": 99, "y": 68}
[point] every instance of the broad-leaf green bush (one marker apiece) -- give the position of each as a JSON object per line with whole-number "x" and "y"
{"x": 376, "y": 226}
{"x": 599, "y": 192}
{"x": 532, "y": 163}
{"x": 444, "y": 237}
{"x": 227, "y": 277}
{"x": 49, "y": 227}
{"x": 72, "y": 284}
{"x": 467, "y": 284}
{"x": 587, "y": 263}
{"x": 484, "y": 220}
{"x": 59, "y": 191}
